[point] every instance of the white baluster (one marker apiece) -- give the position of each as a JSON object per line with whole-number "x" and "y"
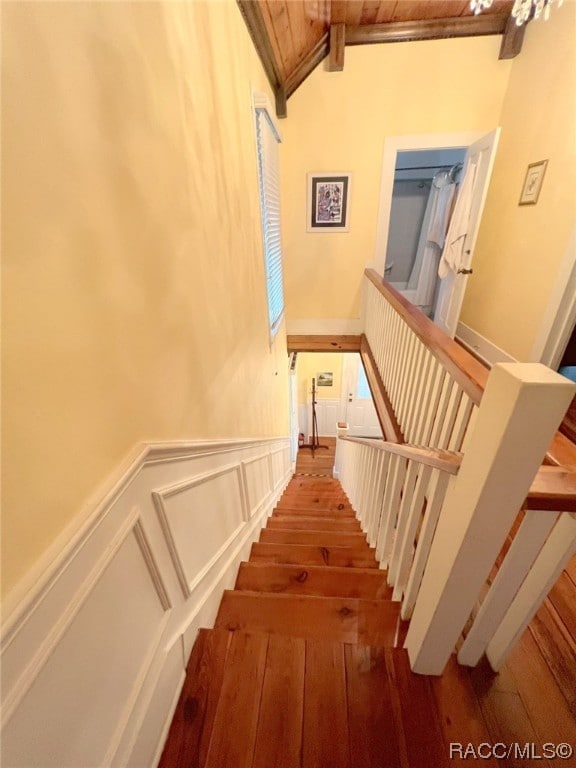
{"x": 522, "y": 406}
{"x": 435, "y": 499}
{"x": 390, "y": 510}
{"x": 553, "y": 558}
{"x": 527, "y": 543}
{"x": 408, "y": 488}
{"x": 405, "y": 542}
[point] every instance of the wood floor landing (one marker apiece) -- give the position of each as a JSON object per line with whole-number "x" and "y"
{"x": 305, "y": 666}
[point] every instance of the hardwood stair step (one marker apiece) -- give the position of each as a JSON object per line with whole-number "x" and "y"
{"x": 346, "y": 620}
{"x": 307, "y": 554}
{"x": 347, "y": 512}
{"x": 312, "y": 523}
{"x": 316, "y": 538}
{"x": 262, "y": 700}
{"x": 364, "y": 583}
{"x": 189, "y": 736}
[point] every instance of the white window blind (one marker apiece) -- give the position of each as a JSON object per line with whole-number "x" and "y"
{"x": 269, "y": 176}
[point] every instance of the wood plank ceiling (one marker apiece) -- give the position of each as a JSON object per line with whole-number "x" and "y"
{"x": 293, "y": 36}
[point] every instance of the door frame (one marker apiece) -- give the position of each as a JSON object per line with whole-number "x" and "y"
{"x": 407, "y": 143}
{"x": 560, "y": 316}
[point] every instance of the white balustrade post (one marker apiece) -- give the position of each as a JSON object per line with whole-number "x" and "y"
{"x": 519, "y": 413}
{"x": 341, "y": 431}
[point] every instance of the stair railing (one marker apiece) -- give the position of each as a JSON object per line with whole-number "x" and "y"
{"x": 397, "y": 492}
{"x": 433, "y": 384}
{"x": 440, "y": 529}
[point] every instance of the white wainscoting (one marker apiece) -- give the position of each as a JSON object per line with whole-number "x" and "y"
{"x": 93, "y": 657}
{"x": 327, "y": 415}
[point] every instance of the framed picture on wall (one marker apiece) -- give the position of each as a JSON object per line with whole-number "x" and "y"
{"x": 533, "y": 183}
{"x": 325, "y": 379}
{"x": 328, "y": 202}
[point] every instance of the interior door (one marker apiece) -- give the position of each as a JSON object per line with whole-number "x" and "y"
{"x": 357, "y": 407}
{"x": 452, "y": 288}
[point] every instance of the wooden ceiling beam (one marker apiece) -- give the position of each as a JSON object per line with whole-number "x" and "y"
{"x": 512, "y": 39}
{"x": 337, "y": 43}
{"x": 426, "y": 29}
{"x": 254, "y": 20}
{"x": 307, "y": 65}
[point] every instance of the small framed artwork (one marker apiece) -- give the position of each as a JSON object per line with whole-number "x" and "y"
{"x": 533, "y": 183}
{"x": 328, "y": 202}
{"x": 325, "y": 379}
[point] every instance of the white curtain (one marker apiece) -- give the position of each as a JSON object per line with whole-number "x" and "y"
{"x": 432, "y": 235}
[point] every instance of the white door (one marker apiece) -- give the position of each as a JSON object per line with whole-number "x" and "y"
{"x": 357, "y": 408}
{"x": 452, "y": 288}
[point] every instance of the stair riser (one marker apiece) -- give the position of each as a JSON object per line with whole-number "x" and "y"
{"x": 295, "y": 523}
{"x": 316, "y": 538}
{"x": 367, "y": 584}
{"x": 301, "y": 554}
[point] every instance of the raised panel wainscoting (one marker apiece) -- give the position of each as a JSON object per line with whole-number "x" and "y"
{"x": 94, "y": 655}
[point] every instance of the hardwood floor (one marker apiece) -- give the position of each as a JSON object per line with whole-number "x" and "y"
{"x": 305, "y": 666}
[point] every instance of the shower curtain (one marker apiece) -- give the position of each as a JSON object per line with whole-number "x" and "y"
{"x": 431, "y": 242}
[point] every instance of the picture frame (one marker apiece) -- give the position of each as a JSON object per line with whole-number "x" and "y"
{"x": 325, "y": 379}
{"x": 533, "y": 183}
{"x": 328, "y": 202}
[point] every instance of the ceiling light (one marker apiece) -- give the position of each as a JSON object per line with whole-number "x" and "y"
{"x": 522, "y": 11}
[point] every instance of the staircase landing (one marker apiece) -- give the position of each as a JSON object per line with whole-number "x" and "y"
{"x": 305, "y": 666}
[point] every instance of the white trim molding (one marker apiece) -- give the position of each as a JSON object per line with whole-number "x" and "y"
{"x": 481, "y": 347}
{"x": 117, "y": 609}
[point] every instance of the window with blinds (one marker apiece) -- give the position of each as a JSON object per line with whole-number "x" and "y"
{"x": 269, "y": 176}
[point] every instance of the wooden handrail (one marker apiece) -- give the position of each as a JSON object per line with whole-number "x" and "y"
{"x": 465, "y": 369}
{"x": 469, "y": 372}
{"x": 447, "y": 461}
{"x": 554, "y": 489}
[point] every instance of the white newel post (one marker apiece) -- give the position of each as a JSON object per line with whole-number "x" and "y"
{"x": 341, "y": 431}
{"x": 519, "y": 413}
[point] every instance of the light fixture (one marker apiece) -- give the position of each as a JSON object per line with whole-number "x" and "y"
{"x": 522, "y": 11}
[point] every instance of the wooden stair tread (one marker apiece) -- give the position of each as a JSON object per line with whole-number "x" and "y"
{"x": 188, "y": 739}
{"x": 313, "y": 523}
{"x": 346, "y": 620}
{"x": 281, "y": 702}
{"x": 355, "y": 539}
{"x": 365, "y": 583}
{"x": 306, "y": 554}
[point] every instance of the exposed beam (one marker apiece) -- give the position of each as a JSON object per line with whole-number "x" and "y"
{"x": 427, "y": 29}
{"x": 281, "y": 107}
{"x": 254, "y": 20}
{"x": 512, "y": 39}
{"x": 318, "y": 343}
{"x": 337, "y": 43}
{"x": 307, "y": 65}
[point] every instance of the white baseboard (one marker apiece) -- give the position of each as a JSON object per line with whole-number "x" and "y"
{"x": 352, "y": 327}
{"x": 482, "y": 347}
{"x": 118, "y": 608}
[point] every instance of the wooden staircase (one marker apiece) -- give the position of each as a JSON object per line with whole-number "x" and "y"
{"x": 305, "y": 665}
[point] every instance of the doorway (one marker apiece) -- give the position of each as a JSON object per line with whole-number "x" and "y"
{"x": 480, "y": 150}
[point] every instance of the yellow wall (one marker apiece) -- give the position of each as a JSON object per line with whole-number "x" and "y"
{"x": 520, "y": 248}
{"x": 337, "y": 121}
{"x": 310, "y": 364}
{"x": 134, "y": 294}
